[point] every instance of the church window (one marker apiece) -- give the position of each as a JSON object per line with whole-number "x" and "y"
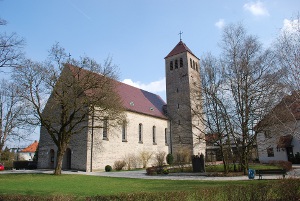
{"x": 105, "y": 128}
{"x": 177, "y": 90}
{"x": 176, "y": 64}
{"x": 166, "y": 136}
{"x": 191, "y": 62}
{"x": 154, "y": 134}
{"x": 124, "y": 133}
{"x": 181, "y": 62}
{"x": 171, "y": 65}
{"x": 140, "y": 133}
{"x": 178, "y": 122}
{"x": 177, "y": 106}
{"x": 194, "y": 65}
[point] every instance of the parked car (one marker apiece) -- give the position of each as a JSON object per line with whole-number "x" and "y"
{"x": 1, "y": 167}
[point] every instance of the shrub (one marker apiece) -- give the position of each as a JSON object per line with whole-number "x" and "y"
{"x": 287, "y": 165}
{"x": 119, "y": 165}
{"x": 160, "y": 158}
{"x": 108, "y": 168}
{"x": 145, "y": 156}
{"x": 131, "y": 161}
{"x": 170, "y": 159}
{"x": 151, "y": 171}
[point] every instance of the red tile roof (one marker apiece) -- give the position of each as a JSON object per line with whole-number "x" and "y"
{"x": 133, "y": 99}
{"x": 287, "y": 110}
{"x": 31, "y": 148}
{"x": 179, "y": 48}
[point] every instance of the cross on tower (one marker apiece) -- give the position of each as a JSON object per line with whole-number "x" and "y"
{"x": 180, "y": 33}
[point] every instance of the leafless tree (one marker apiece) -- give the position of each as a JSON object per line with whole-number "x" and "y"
{"x": 252, "y": 85}
{"x": 11, "y": 113}
{"x": 77, "y": 91}
{"x": 11, "y": 46}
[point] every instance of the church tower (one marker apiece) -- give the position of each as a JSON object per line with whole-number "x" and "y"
{"x": 184, "y": 102}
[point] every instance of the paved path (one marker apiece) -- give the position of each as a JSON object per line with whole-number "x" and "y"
{"x": 141, "y": 174}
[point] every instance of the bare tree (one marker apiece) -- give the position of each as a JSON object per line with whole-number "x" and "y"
{"x": 77, "y": 91}
{"x": 10, "y": 48}
{"x": 11, "y": 113}
{"x": 251, "y": 83}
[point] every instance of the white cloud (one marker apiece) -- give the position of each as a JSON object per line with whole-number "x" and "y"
{"x": 220, "y": 24}
{"x": 290, "y": 26}
{"x": 154, "y": 87}
{"x": 256, "y": 8}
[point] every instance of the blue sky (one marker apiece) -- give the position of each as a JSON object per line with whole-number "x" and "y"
{"x": 138, "y": 34}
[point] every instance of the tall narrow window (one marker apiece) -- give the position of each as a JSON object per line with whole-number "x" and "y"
{"x": 181, "y": 62}
{"x": 270, "y": 152}
{"x": 105, "y": 124}
{"x": 124, "y": 133}
{"x": 191, "y": 63}
{"x": 196, "y": 67}
{"x": 176, "y": 64}
{"x": 154, "y": 134}
{"x": 171, "y": 65}
{"x": 166, "y": 136}
{"x": 140, "y": 133}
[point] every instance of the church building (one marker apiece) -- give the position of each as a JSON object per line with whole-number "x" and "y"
{"x": 152, "y": 126}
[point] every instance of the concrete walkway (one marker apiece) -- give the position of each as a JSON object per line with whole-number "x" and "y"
{"x": 141, "y": 174}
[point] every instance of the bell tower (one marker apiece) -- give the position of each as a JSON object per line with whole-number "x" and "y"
{"x": 184, "y": 101}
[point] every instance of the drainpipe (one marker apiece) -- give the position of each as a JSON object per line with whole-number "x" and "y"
{"x": 92, "y": 142}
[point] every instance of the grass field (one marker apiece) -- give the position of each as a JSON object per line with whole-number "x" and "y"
{"x": 97, "y": 188}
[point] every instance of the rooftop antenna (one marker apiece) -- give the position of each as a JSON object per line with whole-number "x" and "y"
{"x": 180, "y": 33}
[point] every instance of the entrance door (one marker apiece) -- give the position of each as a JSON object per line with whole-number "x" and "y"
{"x": 290, "y": 154}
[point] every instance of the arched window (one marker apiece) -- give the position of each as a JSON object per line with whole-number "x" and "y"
{"x": 140, "y": 133}
{"x": 191, "y": 63}
{"x": 171, "y": 65}
{"x": 124, "y": 132}
{"x": 154, "y": 134}
{"x": 176, "y": 64}
{"x": 181, "y": 63}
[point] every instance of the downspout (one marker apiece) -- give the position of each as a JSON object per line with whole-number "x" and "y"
{"x": 92, "y": 142}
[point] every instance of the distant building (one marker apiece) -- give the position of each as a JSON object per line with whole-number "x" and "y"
{"x": 278, "y": 137}
{"x": 28, "y": 153}
{"x": 151, "y": 124}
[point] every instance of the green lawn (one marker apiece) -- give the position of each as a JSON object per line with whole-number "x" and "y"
{"x": 37, "y": 187}
{"x": 82, "y": 185}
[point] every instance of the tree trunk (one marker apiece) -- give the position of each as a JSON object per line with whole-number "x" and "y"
{"x": 59, "y": 162}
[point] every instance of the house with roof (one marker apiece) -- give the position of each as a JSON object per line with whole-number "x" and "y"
{"x": 152, "y": 125}
{"x": 28, "y": 153}
{"x": 278, "y": 137}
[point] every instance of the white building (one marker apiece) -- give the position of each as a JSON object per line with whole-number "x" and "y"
{"x": 279, "y": 132}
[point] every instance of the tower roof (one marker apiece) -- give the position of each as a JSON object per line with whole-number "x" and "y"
{"x": 180, "y": 48}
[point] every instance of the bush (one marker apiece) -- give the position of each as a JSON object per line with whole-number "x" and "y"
{"x": 108, "y": 168}
{"x": 287, "y": 165}
{"x": 145, "y": 156}
{"x": 160, "y": 158}
{"x": 170, "y": 159}
{"x": 131, "y": 161}
{"x": 119, "y": 165}
{"x": 151, "y": 171}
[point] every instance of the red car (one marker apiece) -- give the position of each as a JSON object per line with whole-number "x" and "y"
{"x": 1, "y": 167}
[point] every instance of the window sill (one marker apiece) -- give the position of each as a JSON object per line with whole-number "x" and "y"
{"x": 140, "y": 142}
{"x": 154, "y": 143}
{"x": 105, "y": 138}
{"x": 166, "y": 144}
{"x": 124, "y": 141}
